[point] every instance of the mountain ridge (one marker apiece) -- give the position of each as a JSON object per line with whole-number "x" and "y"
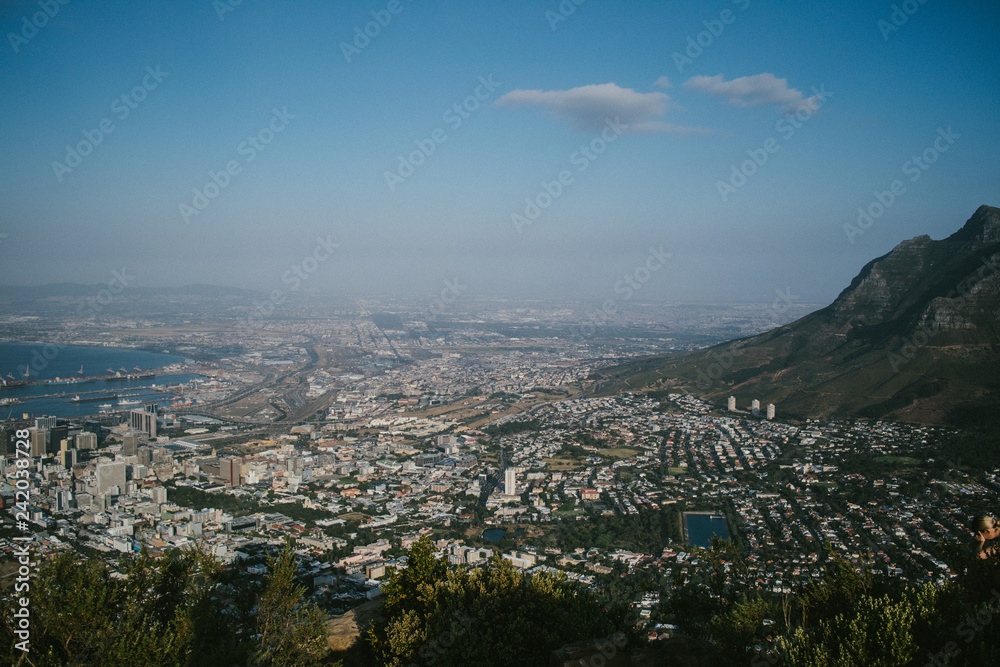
{"x": 915, "y": 336}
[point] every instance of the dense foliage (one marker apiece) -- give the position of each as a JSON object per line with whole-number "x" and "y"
{"x": 512, "y": 427}
{"x": 645, "y": 532}
{"x": 186, "y": 496}
{"x": 850, "y": 617}
{"x": 182, "y": 608}
{"x": 490, "y": 615}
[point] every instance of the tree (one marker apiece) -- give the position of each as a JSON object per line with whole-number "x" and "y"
{"x": 489, "y": 615}
{"x": 162, "y": 610}
{"x": 289, "y": 630}
{"x": 180, "y": 608}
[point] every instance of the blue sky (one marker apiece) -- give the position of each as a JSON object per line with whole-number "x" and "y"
{"x": 309, "y": 115}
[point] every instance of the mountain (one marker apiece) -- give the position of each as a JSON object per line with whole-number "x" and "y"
{"x": 914, "y": 337}
{"x": 77, "y": 290}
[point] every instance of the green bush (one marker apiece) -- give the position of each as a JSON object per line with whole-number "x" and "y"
{"x": 181, "y": 608}
{"x": 491, "y": 615}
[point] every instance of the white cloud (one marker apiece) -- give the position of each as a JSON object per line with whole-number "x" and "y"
{"x": 662, "y": 82}
{"x": 590, "y": 107}
{"x": 758, "y": 90}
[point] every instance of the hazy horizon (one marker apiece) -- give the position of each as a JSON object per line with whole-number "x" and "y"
{"x": 278, "y": 147}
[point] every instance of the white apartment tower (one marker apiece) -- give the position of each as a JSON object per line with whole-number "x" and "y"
{"x": 510, "y": 482}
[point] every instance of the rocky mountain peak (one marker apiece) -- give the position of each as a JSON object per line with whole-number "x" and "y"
{"x": 983, "y": 228}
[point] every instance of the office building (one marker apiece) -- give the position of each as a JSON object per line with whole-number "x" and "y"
{"x": 111, "y": 476}
{"x": 67, "y": 458}
{"x": 38, "y": 438}
{"x": 130, "y": 444}
{"x": 94, "y": 427}
{"x": 45, "y": 422}
{"x": 7, "y": 442}
{"x": 231, "y": 470}
{"x": 158, "y": 494}
{"x": 143, "y": 420}
{"x": 64, "y": 500}
{"x": 86, "y": 441}
{"x": 56, "y": 435}
{"x": 67, "y": 455}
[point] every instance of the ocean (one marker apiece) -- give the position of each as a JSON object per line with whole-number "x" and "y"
{"x": 47, "y": 362}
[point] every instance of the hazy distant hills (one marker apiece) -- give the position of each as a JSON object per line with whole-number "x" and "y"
{"x": 77, "y": 290}
{"x": 915, "y": 337}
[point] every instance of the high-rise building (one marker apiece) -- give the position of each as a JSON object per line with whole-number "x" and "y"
{"x": 67, "y": 458}
{"x": 231, "y": 469}
{"x": 56, "y": 435}
{"x": 510, "y": 482}
{"x": 7, "y": 442}
{"x": 158, "y": 494}
{"x": 38, "y": 437}
{"x": 94, "y": 427}
{"x": 145, "y": 455}
{"x": 86, "y": 440}
{"x": 45, "y": 422}
{"x": 109, "y": 476}
{"x": 732, "y": 404}
{"x": 65, "y": 449}
{"x": 770, "y": 410}
{"x": 130, "y": 444}
{"x": 755, "y": 404}
{"x": 143, "y": 420}
{"x": 64, "y": 500}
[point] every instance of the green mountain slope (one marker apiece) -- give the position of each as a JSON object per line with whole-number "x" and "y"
{"x": 915, "y": 336}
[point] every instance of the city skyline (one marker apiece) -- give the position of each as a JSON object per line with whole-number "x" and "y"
{"x": 710, "y": 151}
